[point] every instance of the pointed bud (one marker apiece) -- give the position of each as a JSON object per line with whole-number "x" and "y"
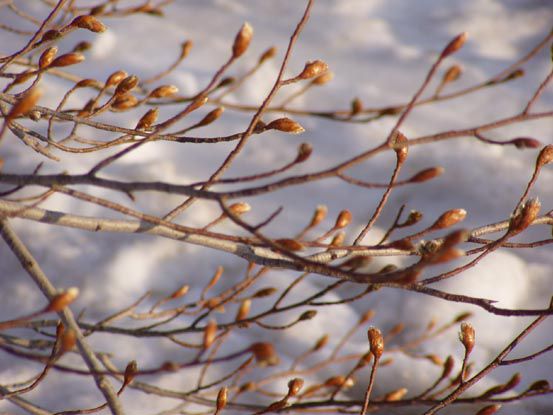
{"x": 89, "y": 23}
{"x": 268, "y": 54}
{"x": 47, "y": 57}
{"x": 163, "y": 91}
{"x": 307, "y": 315}
{"x": 218, "y": 273}
{"x": 525, "y": 142}
{"x": 88, "y": 83}
{"x": 210, "y": 332}
{"x": 467, "y": 337}
{"x": 242, "y": 40}
{"x": 82, "y": 46}
{"x": 435, "y": 359}
{"x": 148, "y": 119}
{"x": 426, "y": 174}
{"x": 24, "y": 104}
{"x": 456, "y": 44}
{"x": 222, "y": 398}
{"x": 395, "y": 395}
{"x": 376, "y": 342}
{"x": 50, "y": 35}
{"x": 400, "y": 144}
{"x": 463, "y": 316}
{"x": 124, "y": 102}
{"x": 68, "y": 340}
{"x": 343, "y": 220}
{"x": 126, "y": 85}
{"x": 186, "y": 47}
{"x": 239, "y": 208}
{"x": 286, "y": 125}
{"x": 452, "y": 74}
{"x": 313, "y": 69}
{"x": 449, "y": 218}
{"x": 304, "y": 152}
{"x": 179, "y": 292}
{"x": 264, "y": 354}
{"x": 524, "y": 216}
{"x": 448, "y": 367}
{"x": 290, "y": 244}
{"x": 539, "y": 386}
{"x": 115, "y": 78}
{"x": 517, "y": 73}
{"x": 321, "y": 343}
{"x": 339, "y": 381}
{"x": 244, "y": 310}
{"x": 367, "y": 315}
{"x": 545, "y": 156}
{"x": 338, "y": 239}
{"x": 130, "y": 372}
{"x": 413, "y": 218}
{"x": 294, "y": 386}
{"x": 68, "y": 59}
{"x": 264, "y": 292}
{"x": 318, "y": 216}
{"x": 62, "y": 300}
{"x": 211, "y": 116}
{"x": 445, "y": 255}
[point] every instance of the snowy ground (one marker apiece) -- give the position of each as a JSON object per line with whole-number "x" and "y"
{"x": 379, "y": 51}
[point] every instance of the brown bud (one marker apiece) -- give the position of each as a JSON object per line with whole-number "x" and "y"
{"x": 396, "y": 329}
{"x": 356, "y": 107}
{"x": 268, "y": 54}
{"x": 23, "y": 77}
{"x": 130, "y": 372}
{"x": 307, "y": 315}
{"x": 366, "y": 316}
{"x": 456, "y": 44}
{"x": 179, "y": 292}
{"x": 455, "y": 238}
{"x": 47, "y": 57}
{"x": 445, "y": 255}
{"x": 304, "y": 152}
{"x": 318, "y": 215}
{"x": 276, "y": 406}
{"x": 467, "y": 337}
{"x": 24, "y": 104}
{"x": 170, "y": 366}
{"x": 115, "y": 78}
{"x": 126, "y": 85}
{"x": 244, "y": 310}
{"x": 517, "y": 73}
{"x": 239, "y": 208}
{"x": 356, "y": 262}
{"x": 338, "y": 239}
{"x": 185, "y": 49}
{"x": 395, "y": 395}
{"x": 286, "y": 125}
{"x": 35, "y": 115}
{"x": 264, "y": 354}
{"x": 50, "y": 35}
{"x": 539, "y": 386}
{"x": 264, "y": 292}
{"x": 68, "y": 340}
{"x": 449, "y": 218}
{"x": 426, "y": 174}
{"x": 376, "y": 342}
{"x": 448, "y": 367}
{"x": 338, "y": 381}
{"x": 388, "y": 268}
{"x": 124, "y": 102}
{"x": 403, "y": 244}
{"x": 82, "y": 46}
{"x": 489, "y": 410}
{"x": 323, "y": 79}
{"x": 247, "y": 387}
{"x": 197, "y": 103}
{"x": 413, "y": 218}
{"x": 62, "y": 300}
{"x": 148, "y": 119}
{"x": 400, "y": 144}
{"x": 88, "y": 83}
{"x": 215, "y": 278}
{"x": 545, "y": 156}
{"x": 68, "y": 59}
{"x": 524, "y": 216}
{"x": 452, "y": 74}
{"x": 343, "y": 219}
{"x": 435, "y": 359}
{"x": 210, "y": 332}
{"x": 313, "y": 69}
{"x": 525, "y": 142}
{"x": 222, "y": 398}
{"x": 242, "y": 40}
{"x": 211, "y": 116}
{"x": 462, "y": 317}
{"x": 322, "y": 342}
{"x": 290, "y": 244}
{"x": 294, "y": 386}
{"x": 89, "y": 23}
{"x": 512, "y": 383}
{"x": 163, "y": 91}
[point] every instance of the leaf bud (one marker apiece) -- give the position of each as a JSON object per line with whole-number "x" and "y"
{"x": 452, "y": 74}
{"x": 395, "y": 395}
{"x": 268, "y": 54}
{"x": 286, "y": 125}
{"x": 313, "y": 69}
{"x": 126, "y": 85}
{"x": 222, "y": 398}
{"x": 343, "y": 219}
{"x": 211, "y": 116}
{"x": 467, "y": 337}
{"x": 186, "y": 47}
{"x": 318, "y": 215}
{"x": 89, "y": 23}
{"x": 264, "y": 354}
{"x": 376, "y": 342}
{"x": 545, "y": 156}
{"x": 448, "y": 367}
{"x": 130, "y": 372}
{"x": 62, "y": 300}
{"x": 244, "y": 310}
{"x": 449, "y": 218}
{"x": 163, "y": 91}
{"x": 322, "y": 342}
{"x": 294, "y": 386}
{"x": 47, "y": 57}
{"x": 210, "y": 332}
{"x": 242, "y": 40}
{"x": 524, "y": 216}
{"x": 456, "y": 44}
{"x": 426, "y": 174}
{"x": 179, "y": 292}
{"x": 489, "y": 410}
{"x": 148, "y": 119}
{"x": 239, "y": 208}
{"x": 356, "y": 107}
{"x": 264, "y": 292}
{"x": 68, "y": 340}
{"x": 290, "y": 244}
{"x": 525, "y": 142}
{"x": 400, "y": 144}
{"x": 304, "y": 152}
{"x": 115, "y": 78}
{"x": 307, "y": 315}
{"x": 323, "y": 79}
{"x": 24, "y": 104}
{"x": 338, "y": 239}
{"x": 67, "y": 59}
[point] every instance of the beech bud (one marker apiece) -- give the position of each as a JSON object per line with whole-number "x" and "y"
{"x": 343, "y": 220}
{"x": 456, "y": 44}
{"x": 313, "y": 69}
{"x": 89, "y": 23}
{"x": 242, "y": 40}
{"x": 449, "y": 218}
{"x": 376, "y": 342}
{"x": 286, "y": 125}
{"x": 467, "y": 337}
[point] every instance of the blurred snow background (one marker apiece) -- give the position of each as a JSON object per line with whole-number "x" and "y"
{"x": 379, "y": 51}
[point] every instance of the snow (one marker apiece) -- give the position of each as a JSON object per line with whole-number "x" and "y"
{"x": 379, "y": 51}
